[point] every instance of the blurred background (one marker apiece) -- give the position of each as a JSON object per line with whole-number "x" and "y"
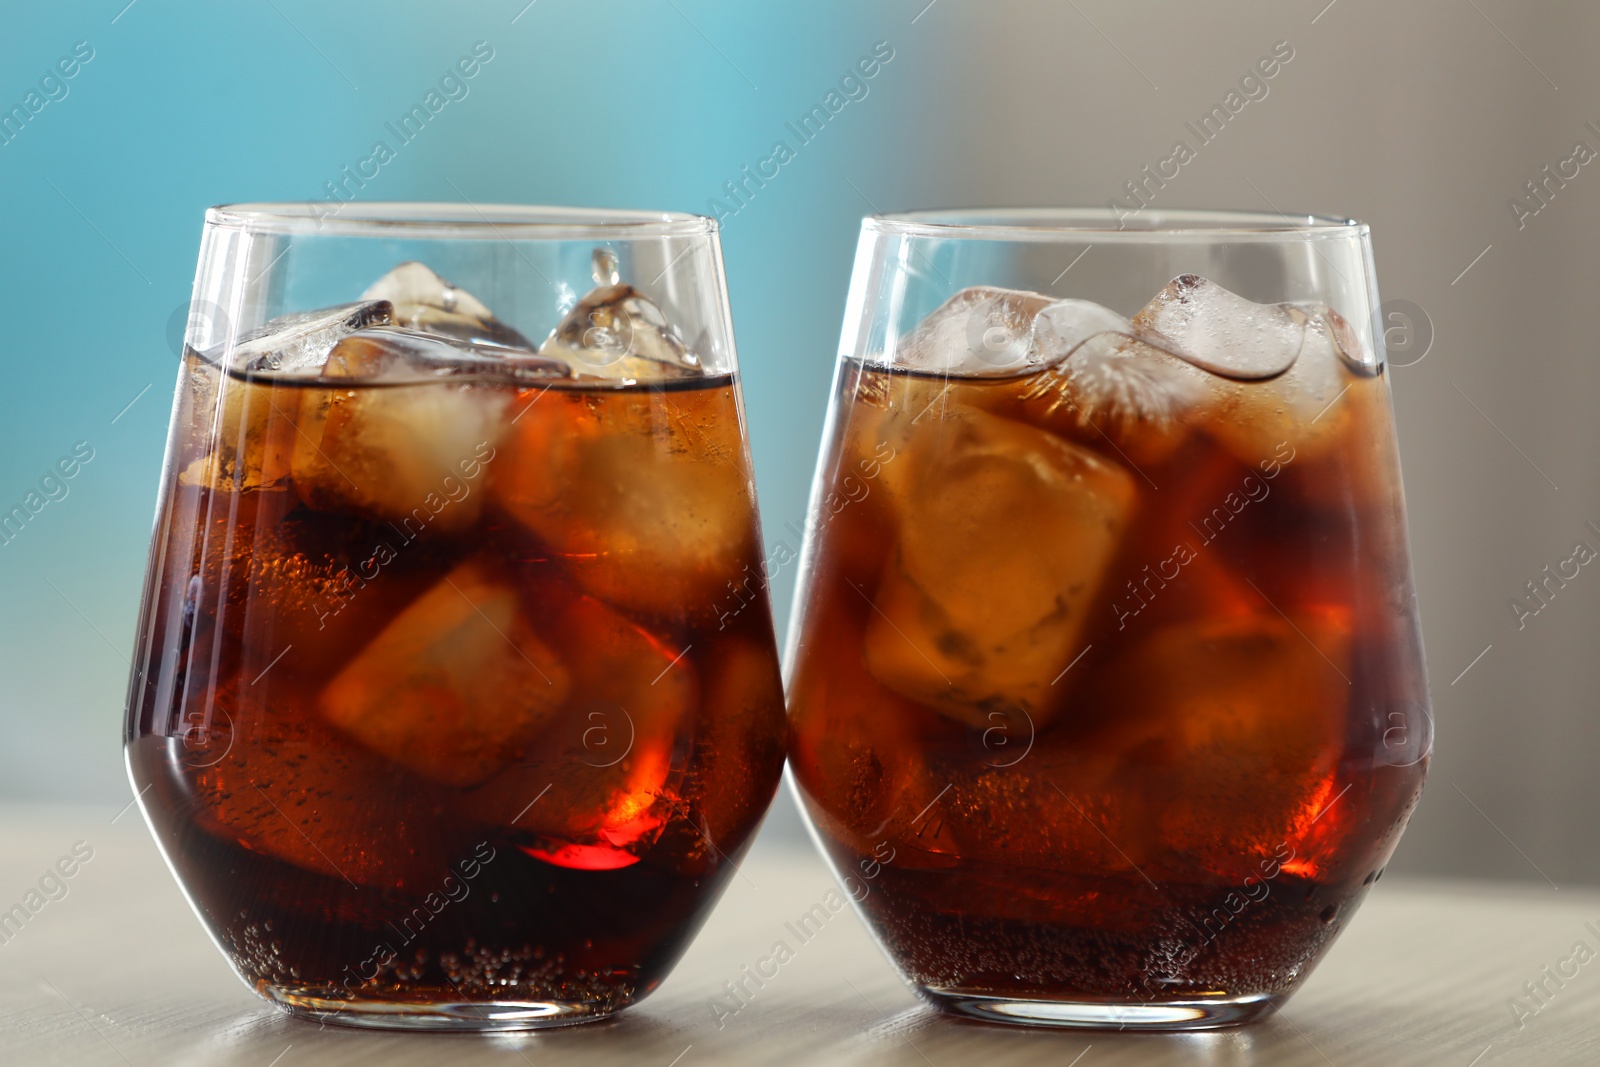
{"x": 1428, "y": 120}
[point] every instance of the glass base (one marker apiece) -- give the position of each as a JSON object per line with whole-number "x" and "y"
{"x": 441, "y": 1015}
{"x": 1200, "y": 1013}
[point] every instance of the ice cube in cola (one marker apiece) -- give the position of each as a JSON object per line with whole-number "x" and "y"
{"x": 662, "y": 522}
{"x": 1101, "y": 647}
{"x": 439, "y": 699}
{"x": 958, "y": 629}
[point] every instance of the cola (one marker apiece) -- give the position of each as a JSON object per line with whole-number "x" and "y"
{"x": 438, "y": 712}
{"x": 1107, "y": 696}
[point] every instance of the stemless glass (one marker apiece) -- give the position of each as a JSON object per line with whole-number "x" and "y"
{"x": 1106, "y": 688}
{"x": 443, "y": 713}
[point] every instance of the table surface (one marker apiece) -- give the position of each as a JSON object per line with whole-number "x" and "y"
{"x": 118, "y": 972}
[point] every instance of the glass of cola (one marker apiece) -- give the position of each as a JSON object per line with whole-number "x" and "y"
{"x": 443, "y": 711}
{"x": 1106, "y": 693}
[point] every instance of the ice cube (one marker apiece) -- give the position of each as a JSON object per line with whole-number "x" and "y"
{"x": 254, "y": 426}
{"x": 1356, "y": 356}
{"x": 1228, "y": 731}
{"x": 603, "y": 267}
{"x": 1298, "y": 409}
{"x": 885, "y": 410}
{"x": 406, "y": 453}
{"x": 394, "y": 355}
{"x": 1223, "y": 332}
{"x": 617, "y": 332}
{"x": 1132, "y": 386}
{"x": 1006, "y": 531}
{"x": 1073, "y": 366}
{"x": 979, "y": 331}
{"x": 1139, "y": 398}
{"x": 424, "y": 301}
{"x": 252, "y": 437}
{"x": 298, "y": 344}
{"x": 596, "y": 789}
{"x": 1064, "y": 327}
{"x": 455, "y": 686}
{"x": 646, "y": 497}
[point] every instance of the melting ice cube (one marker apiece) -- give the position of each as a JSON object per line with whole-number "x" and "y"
{"x": 1064, "y": 327}
{"x": 407, "y": 453}
{"x": 1223, "y": 332}
{"x": 395, "y": 356}
{"x": 1133, "y": 387}
{"x": 1111, "y": 378}
{"x": 424, "y": 301}
{"x": 980, "y": 330}
{"x": 1356, "y": 356}
{"x": 455, "y": 686}
{"x": 617, "y": 332}
{"x": 298, "y": 344}
{"x": 254, "y": 429}
{"x": 645, "y": 497}
{"x": 1309, "y": 350}
{"x": 1006, "y": 532}
{"x": 252, "y": 439}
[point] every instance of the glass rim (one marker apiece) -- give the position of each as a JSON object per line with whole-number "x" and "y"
{"x": 1112, "y": 225}
{"x": 461, "y": 221}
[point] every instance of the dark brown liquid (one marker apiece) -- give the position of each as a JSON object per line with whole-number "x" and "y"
{"x": 1106, "y": 711}
{"x": 503, "y": 745}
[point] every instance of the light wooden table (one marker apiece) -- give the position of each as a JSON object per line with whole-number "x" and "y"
{"x": 118, "y": 972}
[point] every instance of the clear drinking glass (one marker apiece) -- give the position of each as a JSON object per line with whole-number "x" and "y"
{"x": 444, "y": 712}
{"x": 1106, "y": 693}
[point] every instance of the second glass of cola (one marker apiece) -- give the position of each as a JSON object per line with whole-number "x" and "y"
{"x": 1107, "y": 692}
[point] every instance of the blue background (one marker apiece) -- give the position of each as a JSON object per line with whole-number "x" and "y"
{"x": 185, "y": 105}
